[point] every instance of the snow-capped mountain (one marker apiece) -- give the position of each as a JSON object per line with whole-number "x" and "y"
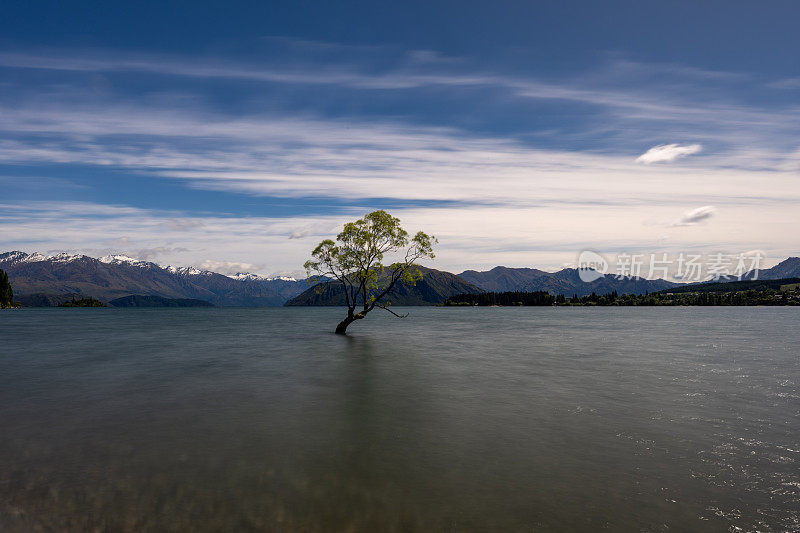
{"x": 247, "y": 276}
{"x": 282, "y": 278}
{"x": 119, "y": 259}
{"x": 191, "y": 271}
{"x": 125, "y": 260}
{"x": 21, "y": 257}
{"x": 64, "y": 257}
{"x": 114, "y": 276}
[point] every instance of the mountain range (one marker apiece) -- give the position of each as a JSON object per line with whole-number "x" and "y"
{"x": 788, "y": 268}
{"x": 434, "y": 287}
{"x": 502, "y": 279}
{"x": 46, "y": 280}
{"x": 566, "y": 282}
{"x": 40, "y": 280}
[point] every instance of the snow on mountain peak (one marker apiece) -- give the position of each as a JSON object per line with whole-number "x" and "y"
{"x": 17, "y": 256}
{"x": 124, "y": 259}
{"x": 35, "y": 257}
{"x": 188, "y": 271}
{"x": 116, "y": 259}
{"x": 246, "y": 276}
{"x": 65, "y": 257}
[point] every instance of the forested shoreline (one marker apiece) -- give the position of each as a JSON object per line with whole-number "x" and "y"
{"x": 787, "y": 294}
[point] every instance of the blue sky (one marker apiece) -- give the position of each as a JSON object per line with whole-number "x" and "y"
{"x": 235, "y": 137}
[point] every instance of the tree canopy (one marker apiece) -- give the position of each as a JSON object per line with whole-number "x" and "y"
{"x": 356, "y": 261}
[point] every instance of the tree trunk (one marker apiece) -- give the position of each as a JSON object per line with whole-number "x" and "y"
{"x": 341, "y": 329}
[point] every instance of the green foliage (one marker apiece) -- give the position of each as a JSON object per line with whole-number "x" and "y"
{"x": 356, "y": 260}
{"x": 6, "y": 293}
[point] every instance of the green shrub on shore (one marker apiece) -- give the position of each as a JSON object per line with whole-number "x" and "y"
{"x": 6, "y": 292}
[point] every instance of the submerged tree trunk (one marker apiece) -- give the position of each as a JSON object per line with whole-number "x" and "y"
{"x": 341, "y": 329}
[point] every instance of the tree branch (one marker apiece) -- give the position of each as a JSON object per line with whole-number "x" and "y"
{"x": 395, "y": 314}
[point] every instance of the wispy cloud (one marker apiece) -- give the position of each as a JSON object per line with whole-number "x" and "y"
{"x": 469, "y": 236}
{"x": 354, "y": 160}
{"x": 668, "y": 153}
{"x": 628, "y": 89}
{"x": 531, "y": 196}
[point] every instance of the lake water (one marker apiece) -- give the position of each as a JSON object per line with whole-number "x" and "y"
{"x": 464, "y": 419}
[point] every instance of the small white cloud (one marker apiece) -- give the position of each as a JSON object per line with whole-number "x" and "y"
{"x": 695, "y": 216}
{"x": 667, "y": 152}
{"x": 300, "y": 234}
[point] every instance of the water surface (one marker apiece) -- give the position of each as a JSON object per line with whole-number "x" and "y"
{"x": 487, "y": 419}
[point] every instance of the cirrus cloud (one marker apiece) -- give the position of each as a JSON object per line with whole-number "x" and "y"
{"x": 666, "y": 153}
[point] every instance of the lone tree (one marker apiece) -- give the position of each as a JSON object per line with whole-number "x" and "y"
{"x": 355, "y": 261}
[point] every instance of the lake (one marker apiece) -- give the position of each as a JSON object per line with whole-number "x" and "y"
{"x": 463, "y": 419}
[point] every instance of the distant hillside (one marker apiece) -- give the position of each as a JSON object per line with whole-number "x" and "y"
{"x": 434, "y": 287}
{"x": 788, "y": 268}
{"x": 46, "y": 281}
{"x": 735, "y": 286}
{"x": 502, "y": 279}
{"x": 46, "y": 300}
{"x": 782, "y": 292}
{"x": 566, "y": 282}
{"x": 113, "y": 277}
{"x": 158, "y": 301}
